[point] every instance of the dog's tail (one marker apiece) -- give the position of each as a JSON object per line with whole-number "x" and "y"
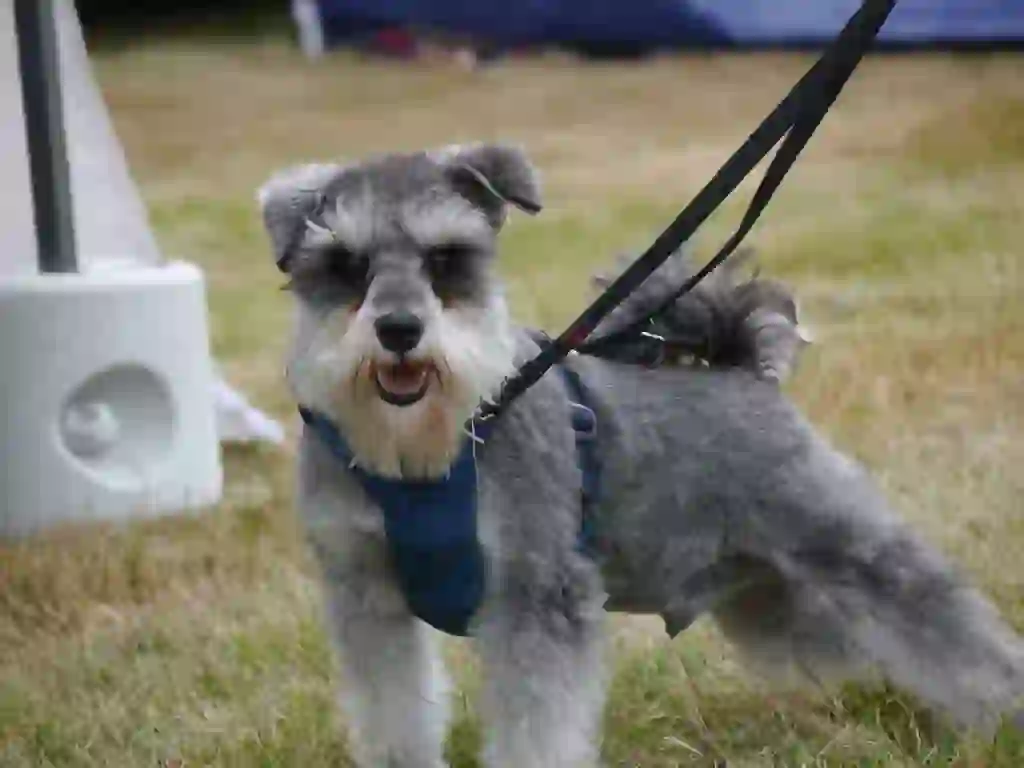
{"x": 727, "y": 320}
{"x": 850, "y": 589}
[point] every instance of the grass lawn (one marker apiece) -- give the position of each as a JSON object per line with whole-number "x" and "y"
{"x": 188, "y": 642}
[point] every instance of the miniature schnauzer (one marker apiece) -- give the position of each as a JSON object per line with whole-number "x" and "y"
{"x": 715, "y": 495}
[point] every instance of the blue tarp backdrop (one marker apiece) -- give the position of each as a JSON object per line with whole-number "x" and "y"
{"x": 679, "y": 23}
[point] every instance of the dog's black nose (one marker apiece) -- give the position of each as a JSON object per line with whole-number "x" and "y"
{"x": 399, "y": 332}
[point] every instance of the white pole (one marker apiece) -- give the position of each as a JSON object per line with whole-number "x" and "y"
{"x": 306, "y": 14}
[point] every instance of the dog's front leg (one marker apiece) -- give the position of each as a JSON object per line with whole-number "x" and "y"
{"x": 544, "y": 676}
{"x": 393, "y": 690}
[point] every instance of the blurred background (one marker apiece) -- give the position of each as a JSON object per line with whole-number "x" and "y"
{"x": 593, "y": 28}
{"x": 197, "y": 640}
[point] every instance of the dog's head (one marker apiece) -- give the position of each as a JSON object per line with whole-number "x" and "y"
{"x": 401, "y": 325}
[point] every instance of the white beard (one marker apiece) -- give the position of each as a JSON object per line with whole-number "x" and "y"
{"x": 329, "y": 370}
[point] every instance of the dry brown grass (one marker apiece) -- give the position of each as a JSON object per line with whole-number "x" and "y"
{"x": 198, "y": 639}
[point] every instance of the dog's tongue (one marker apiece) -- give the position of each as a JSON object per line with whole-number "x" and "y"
{"x": 403, "y": 378}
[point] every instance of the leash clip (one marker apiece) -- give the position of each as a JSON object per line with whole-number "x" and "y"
{"x": 659, "y": 343}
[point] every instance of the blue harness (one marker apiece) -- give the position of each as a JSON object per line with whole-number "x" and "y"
{"x": 431, "y": 526}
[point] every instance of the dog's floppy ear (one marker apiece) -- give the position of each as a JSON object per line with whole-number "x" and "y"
{"x": 290, "y": 202}
{"x": 494, "y": 175}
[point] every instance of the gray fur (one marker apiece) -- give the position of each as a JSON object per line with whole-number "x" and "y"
{"x": 718, "y": 497}
{"x": 501, "y": 172}
{"x": 725, "y": 320}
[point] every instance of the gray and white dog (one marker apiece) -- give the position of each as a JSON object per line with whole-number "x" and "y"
{"x": 716, "y": 495}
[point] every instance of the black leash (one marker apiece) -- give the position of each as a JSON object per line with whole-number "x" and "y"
{"x": 795, "y": 119}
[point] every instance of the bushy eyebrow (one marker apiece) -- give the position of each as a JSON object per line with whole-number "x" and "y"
{"x": 352, "y": 221}
{"x": 450, "y": 221}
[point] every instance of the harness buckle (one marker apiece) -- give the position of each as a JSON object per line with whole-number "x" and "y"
{"x": 584, "y": 422}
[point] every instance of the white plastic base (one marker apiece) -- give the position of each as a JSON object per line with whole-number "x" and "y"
{"x": 106, "y": 397}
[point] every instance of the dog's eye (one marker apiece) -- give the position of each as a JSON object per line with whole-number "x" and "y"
{"x": 347, "y": 266}
{"x": 447, "y": 261}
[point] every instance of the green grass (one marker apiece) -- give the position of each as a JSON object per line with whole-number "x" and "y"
{"x": 197, "y": 641}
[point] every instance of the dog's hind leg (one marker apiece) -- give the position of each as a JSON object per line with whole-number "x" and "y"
{"x": 838, "y": 584}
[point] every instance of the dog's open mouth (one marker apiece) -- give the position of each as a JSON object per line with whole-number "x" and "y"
{"x": 403, "y": 383}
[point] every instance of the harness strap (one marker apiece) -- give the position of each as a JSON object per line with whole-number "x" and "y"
{"x": 430, "y": 528}
{"x": 431, "y": 525}
{"x": 584, "y": 424}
